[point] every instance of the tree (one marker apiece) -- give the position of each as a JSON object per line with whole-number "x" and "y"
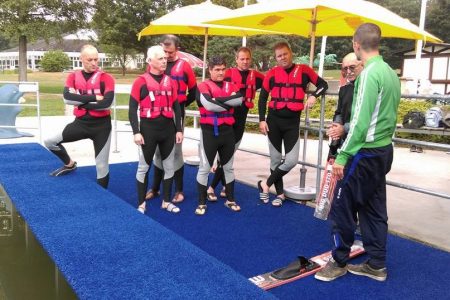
{"x": 4, "y": 42}
{"x": 118, "y": 26}
{"x": 33, "y": 19}
{"x": 55, "y": 61}
{"x": 437, "y": 20}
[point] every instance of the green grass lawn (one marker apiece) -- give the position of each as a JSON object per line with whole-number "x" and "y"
{"x": 51, "y": 86}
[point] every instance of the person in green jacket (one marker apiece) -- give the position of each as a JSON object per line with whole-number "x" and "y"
{"x": 362, "y": 163}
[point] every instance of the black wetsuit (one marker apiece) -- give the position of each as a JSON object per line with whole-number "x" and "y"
{"x": 157, "y": 132}
{"x": 240, "y": 117}
{"x": 216, "y": 139}
{"x": 284, "y": 124}
{"x": 97, "y": 129}
{"x": 190, "y": 81}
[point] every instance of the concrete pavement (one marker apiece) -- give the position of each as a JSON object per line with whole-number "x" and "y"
{"x": 415, "y": 215}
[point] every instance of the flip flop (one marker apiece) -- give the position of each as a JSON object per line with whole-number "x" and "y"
{"x": 211, "y": 197}
{"x": 278, "y": 202}
{"x": 151, "y": 194}
{"x": 232, "y": 206}
{"x": 171, "y": 208}
{"x": 264, "y": 197}
{"x": 175, "y": 198}
{"x": 223, "y": 194}
{"x": 200, "y": 210}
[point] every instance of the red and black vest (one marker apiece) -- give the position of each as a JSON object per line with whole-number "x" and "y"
{"x": 217, "y": 118}
{"x": 287, "y": 90}
{"x": 249, "y": 85}
{"x": 177, "y": 74}
{"x": 160, "y": 98}
{"x": 89, "y": 87}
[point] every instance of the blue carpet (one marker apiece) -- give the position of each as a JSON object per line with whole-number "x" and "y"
{"x": 103, "y": 246}
{"x": 262, "y": 238}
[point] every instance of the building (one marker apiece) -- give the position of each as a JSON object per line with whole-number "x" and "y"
{"x": 69, "y": 44}
{"x": 433, "y": 71}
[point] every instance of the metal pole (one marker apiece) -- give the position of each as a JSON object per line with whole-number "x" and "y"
{"x": 319, "y": 155}
{"x": 305, "y": 140}
{"x": 419, "y": 44}
{"x": 38, "y": 102}
{"x": 244, "y": 38}
{"x": 205, "y": 47}
{"x": 322, "y": 55}
{"x": 115, "y": 125}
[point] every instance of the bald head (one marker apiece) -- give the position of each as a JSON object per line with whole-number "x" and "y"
{"x": 351, "y": 67}
{"x": 89, "y": 58}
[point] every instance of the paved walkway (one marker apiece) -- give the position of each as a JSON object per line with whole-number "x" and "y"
{"x": 415, "y": 215}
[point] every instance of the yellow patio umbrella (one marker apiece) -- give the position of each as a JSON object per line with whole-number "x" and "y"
{"x": 190, "y": 20}
{"x": 311, "y": 18}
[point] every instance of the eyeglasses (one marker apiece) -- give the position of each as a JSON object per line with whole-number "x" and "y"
{"x": 349, "y": 68}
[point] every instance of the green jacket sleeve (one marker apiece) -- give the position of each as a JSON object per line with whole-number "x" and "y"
{"x": 364, "y": 105}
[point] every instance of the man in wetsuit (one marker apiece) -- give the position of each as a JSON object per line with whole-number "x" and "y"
{"x": 286, "y": 83}
{"x": 154, "y": 95}
{"x": 216, "y": 99}
{"x": 180, "y": 71}
{"x": 91, "y": 91}
{"x": 249, "y": 81}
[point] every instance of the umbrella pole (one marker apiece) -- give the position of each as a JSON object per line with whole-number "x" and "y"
{"x": 305, "y": 140}
{"x": 300, "y": 193}
{"x": 322, "y": 56}
{"x": 313, "y": 37}
{"x": 205, "y": 50}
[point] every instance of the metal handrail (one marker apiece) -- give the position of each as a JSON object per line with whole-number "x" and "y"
{"x": 252, "y": 118}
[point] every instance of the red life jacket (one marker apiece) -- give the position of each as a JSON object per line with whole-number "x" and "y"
{"x": 217, "y": 118}
{"x": 160, "y": 98}
{"x": 287, "y": 90}
{"x": 177, "y": 74}
{"x": 89, "y": 87}
{"x": 250, "y": 85}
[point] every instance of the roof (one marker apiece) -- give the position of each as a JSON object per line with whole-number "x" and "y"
{"x": 67, "y": 43}
{"x": 440, "y": 46}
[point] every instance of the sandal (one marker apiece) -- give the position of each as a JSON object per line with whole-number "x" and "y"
{"x": 151, "y": 193}
{"x": 211, "y": 197}
{"x": 264, "y": 197}
{"x": 200, "y": 210}
{"x": 171, "y": 208}
{"x": 141, "y": 208}
{"x": 176, "y": 199}
{"x": 223, "y": 194}
{"x": 277, "y": 202}
{"x": 232, "y": 206}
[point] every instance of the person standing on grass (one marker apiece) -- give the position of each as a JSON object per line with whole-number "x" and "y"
{"x": 181, "y": 72}
{"x": 286, "y": 84}
{"x": 154, "y": 96}
{"x": 91, "y": 91}
{"x": 363, "y": 162}
{"x": 249, "y": 81}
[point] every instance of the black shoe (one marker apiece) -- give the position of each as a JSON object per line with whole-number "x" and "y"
{"x": 64, "y": 170}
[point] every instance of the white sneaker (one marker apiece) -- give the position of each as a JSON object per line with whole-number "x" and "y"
{"x": 141, "y": 208}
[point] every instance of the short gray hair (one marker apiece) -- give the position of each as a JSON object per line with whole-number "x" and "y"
{"x": 154, "y": 51}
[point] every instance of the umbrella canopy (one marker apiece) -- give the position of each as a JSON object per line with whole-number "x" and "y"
{"x": 189, "y": 20}
{"x": 193, "y": 60}
{"x": 322, "y": 18}
{"x": 311, "y": 18}
{"x": 192, "y": 20}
